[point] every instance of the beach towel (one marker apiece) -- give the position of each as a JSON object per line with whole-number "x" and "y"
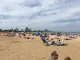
{"x": 51, "y": 59}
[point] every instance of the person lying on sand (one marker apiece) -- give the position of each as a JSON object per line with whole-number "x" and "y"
{"x": 67, "y": 38}
{"x": 54, "y": 56}
{"x": 71, "y": 36}
{"x": 67, "y": 58}
{"x": 51, "y": 43}
{"x": 74, "y": 36}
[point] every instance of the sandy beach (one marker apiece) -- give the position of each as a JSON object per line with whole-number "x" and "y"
{"x": 14, "y": 48}
{"x": 39, "y": 29}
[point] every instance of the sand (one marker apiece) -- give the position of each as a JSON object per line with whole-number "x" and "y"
{"x": 14, "y": 48}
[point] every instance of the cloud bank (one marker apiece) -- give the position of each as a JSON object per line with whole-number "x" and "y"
{"x": 56, "y": 15}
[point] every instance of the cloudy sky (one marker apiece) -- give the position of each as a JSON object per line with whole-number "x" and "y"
{"x": 56, "y": 15}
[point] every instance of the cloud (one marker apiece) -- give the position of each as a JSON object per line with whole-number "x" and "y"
{"x": 40, "y": 14}
{"x": 31, "y": 3}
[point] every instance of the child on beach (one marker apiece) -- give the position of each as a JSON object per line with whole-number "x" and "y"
{"x": 54, "y": 56}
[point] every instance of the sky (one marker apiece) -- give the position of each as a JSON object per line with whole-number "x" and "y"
{"x": 56, "y": 15}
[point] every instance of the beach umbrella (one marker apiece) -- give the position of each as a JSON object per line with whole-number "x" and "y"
{"x": 37, "y": 34}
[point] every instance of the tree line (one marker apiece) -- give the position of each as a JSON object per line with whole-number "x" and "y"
{"x": 27, "y": 29}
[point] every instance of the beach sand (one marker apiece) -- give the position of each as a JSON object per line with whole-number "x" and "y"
{"x": 14, "y": 48}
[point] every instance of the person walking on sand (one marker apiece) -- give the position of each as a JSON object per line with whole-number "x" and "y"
{"x": 54, "y": 56}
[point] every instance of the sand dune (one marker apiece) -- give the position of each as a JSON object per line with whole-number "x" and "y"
{"x": 14, "y": 48}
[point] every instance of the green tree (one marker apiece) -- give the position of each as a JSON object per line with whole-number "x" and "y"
{"x": 34, "y": 30}
{"x": 0, "y": 30}
{"x": 26, "y": 29}
{"x": 22, "y": 30}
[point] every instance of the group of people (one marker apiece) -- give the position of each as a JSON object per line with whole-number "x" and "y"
{"x": 26, "y": 35}
{"x": 20, "y": 35}
{"x": 54, "y": 56}
{"x": 48, "y": 42}
{"x": 29, "y": 35}
{"x": 70, "y": 37}
{"x": 10, "y": 34}
{"x": 44, "y": 37}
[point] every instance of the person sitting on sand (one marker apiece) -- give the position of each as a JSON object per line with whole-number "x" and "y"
{"x": 54, "y": 56}
{"x": 53, "y": 42}
{"x": 59, "y": 43}
{"x": 45, "y": 34}
{"x": 49, "y": 42}
{"x": 24, "y": 34}
{"x": 67, "y": 58}
{"x": 19, "y": 35}
{"x": 43, "y": 38}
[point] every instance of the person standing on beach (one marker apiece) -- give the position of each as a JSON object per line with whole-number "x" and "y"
{"x": 54, "y": 56}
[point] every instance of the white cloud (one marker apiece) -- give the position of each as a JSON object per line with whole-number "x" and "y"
{"x": 38, "y": 14}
